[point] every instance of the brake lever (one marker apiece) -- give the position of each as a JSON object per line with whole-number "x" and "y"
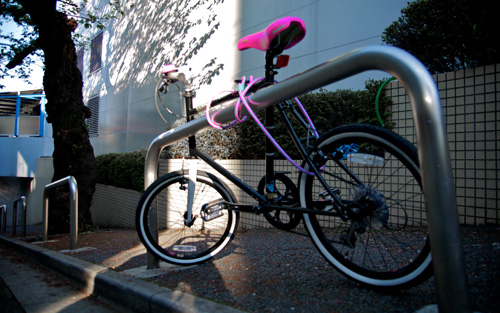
{"x": 164, "y": 86}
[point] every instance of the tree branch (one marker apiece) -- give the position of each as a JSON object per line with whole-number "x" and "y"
{"x": 20, "y": 56}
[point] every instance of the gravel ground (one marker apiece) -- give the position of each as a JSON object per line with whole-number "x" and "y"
{"x": 272, "y": 271}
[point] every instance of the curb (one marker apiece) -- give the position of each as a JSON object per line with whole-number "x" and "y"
{"x": 128, "y": 292}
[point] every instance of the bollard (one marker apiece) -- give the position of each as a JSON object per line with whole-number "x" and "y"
{"x": 3, "y": 217}
{"x": 14, "y": 220}
{"x": 21, "y": 200}
{"x": 435, "y": 164}
{"x": 73, "y": 209}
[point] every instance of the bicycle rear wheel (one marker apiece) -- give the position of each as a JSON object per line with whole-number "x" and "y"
{"x": 375, "y": 173}
{"x": 161, "y": 213}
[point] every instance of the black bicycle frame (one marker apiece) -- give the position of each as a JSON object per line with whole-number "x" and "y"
{"x": 269, "y": 155}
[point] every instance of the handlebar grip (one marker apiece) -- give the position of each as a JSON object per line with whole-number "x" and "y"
{"x": 168, "y": 68}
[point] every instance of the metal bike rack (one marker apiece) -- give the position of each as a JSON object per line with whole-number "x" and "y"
{"x": 73, "y": 187}
{"x": 21, "y": 200}
{"x": 434, "y": 156}
{"x": 3, "y": 217}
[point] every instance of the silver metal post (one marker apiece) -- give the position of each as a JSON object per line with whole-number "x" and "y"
{"x": 73, "y": 209}
{"x": 193, "y": 172}
{"x": 3, "y": 217}
{"x": 22, "y": 201}
{"x": 14, "y": 219}
{"x": 437, "y": 176}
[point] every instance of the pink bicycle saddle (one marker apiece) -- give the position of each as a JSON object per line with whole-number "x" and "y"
{"x": 283, "y": 33}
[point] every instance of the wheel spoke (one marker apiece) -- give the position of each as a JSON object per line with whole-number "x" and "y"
{"x": 178, "y": 242}
{"x": 386, "y": 236}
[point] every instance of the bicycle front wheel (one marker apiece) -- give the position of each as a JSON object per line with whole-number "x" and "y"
{"x": 381, "y": 240}
{"x": 162, "y": 212}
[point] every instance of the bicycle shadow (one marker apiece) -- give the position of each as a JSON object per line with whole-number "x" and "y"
{"x": 198, "y": 280}
{"x": 254, "y": 272}
{"x": 266, "y": 270}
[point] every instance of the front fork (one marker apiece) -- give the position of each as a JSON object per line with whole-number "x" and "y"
{"x": 193, "y": 164}
{"x": 193, "y": 173}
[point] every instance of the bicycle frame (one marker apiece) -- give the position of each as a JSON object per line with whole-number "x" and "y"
{"x": 255, "y": 194}
{"x": 264, "y": 203}
{"x": 434, "y": 156}
{"x": 269, "y": 161}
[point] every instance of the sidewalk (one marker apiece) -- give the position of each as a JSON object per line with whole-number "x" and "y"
{"x": 124, "y": 291}
{"x": 28, "y": 288}
{"x": 262, "y": 270}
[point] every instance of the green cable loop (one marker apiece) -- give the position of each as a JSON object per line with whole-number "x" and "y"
{"x": 377, "y": 98}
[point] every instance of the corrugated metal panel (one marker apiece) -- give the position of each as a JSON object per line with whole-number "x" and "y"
{"x": 93, "y": 121}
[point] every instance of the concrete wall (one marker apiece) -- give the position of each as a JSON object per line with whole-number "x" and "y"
{"x": 43, "y": 176}
{"x": 471, "y": 108}
{"x": 11, "y": 189}
{"x": 18, "y": 155}
{"x": 114, "y": 207}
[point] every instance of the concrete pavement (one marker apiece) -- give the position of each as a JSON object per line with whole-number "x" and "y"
{"x": 78, "y": 280}
{"x": 26, "y": 287}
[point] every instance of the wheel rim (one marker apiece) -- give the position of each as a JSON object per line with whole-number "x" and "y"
{"x": 179, "y": 243}
{"x": 359, "y": 262}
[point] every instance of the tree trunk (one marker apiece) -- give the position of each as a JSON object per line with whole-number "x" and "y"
{"x": 73, "y": 154}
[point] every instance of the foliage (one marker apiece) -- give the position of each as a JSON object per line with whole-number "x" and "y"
{"x": 448, "y": 35}
{"x": 10, "y": 11}
{"x": 124, "y": 170}
{"x": 245, "y": 140}
{"x": 219, "y": 144}
{"x": 23, "y": 50}
{"x": 95, "y": 16}
{"x": 328, "y": 109}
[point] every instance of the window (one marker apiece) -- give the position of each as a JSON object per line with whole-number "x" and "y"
{"x": 93, "y": 121}
{"x": 96, "y": 53}
{"x": 79, "y": 60}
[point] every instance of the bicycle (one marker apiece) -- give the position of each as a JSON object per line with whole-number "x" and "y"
{"x": 359, "y": 191}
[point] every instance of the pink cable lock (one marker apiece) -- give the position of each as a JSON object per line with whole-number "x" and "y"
{"x": 242, "y": 100}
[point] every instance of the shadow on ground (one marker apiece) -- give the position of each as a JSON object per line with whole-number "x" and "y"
{"x": 266, "y": 270}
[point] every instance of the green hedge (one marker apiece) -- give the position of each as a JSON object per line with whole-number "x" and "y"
{"x": 327, "y": 109}
{"x": 245, "y": 140}
{"x": 124, "y": 170}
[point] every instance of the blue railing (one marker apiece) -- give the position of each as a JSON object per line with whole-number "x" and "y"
{"x": 6, "y": 127}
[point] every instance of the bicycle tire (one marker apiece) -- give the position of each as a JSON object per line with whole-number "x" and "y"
{"x": 178, "y": 243}
{"x": 384, "y": 244}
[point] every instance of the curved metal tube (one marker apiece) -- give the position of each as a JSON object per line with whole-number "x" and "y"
{"x": 73, "y": 192}
{"x": 3, "y": 218}
{"x": 22, "y": 201}
{"x": 433, "y": 150}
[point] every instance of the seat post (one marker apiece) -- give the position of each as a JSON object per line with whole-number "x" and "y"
{"x": 270, "y": 67}
{"x": 269, "y": 115}
{"x": 188, "y": 97}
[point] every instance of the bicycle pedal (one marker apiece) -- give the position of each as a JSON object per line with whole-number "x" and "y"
{"x": 213, "y": 209}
